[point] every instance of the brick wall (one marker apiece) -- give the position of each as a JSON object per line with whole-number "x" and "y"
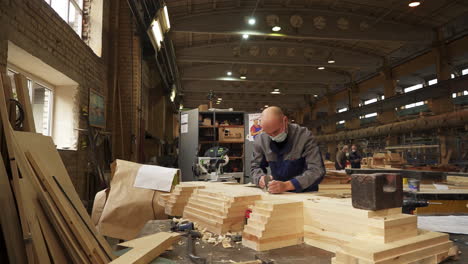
{"x": 36, "y": 28}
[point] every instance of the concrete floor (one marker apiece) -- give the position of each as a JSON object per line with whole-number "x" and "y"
{"x": 289, "y": 255}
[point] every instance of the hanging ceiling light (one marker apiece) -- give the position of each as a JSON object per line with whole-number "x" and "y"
{"x": 276, "y": 28}
{"x": 331, "y": 59}
{"x": 243, "y": 77}
{"x": 321, "y": 68}
{"x": 414, "y": 3}
{"x": 276, "y": 91}
{"x": 245, "y": 36}
{"x": 315, "y": 95}
{"x": 266, "y": 106}
{"x": 251, "y": 21}
{"x": 229, "y": 73}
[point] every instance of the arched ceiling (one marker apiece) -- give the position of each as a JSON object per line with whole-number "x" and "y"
{"x": 360, "y": 35}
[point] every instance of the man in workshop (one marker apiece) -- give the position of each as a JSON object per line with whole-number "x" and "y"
{"x": 355, "y": 158}
{"x": 341, "y": 158}
{"x": 290, "y": 151}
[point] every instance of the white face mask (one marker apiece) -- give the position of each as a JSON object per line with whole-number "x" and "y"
{"x": 280, "y": 137}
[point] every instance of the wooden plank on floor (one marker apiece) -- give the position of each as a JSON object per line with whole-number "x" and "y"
{"x": 10, "y": 221}
{"x": 43, "y": 149}
{"x": 22, "y": 206}
{"x": 74, "y": 221}
{"x": 146, "y": 249}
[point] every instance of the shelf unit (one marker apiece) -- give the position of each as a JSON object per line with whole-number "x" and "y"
{"x": 202, "y": 135}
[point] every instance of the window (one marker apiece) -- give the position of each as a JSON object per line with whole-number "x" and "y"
{"x": 41, "y": 97}
{"x": 412, "y": 88}
{"x": 368, "y": 115}
{"x": 464, "y": 93}
{"x": 414, "y": 105}
{"x": 71, "y": 11}
{"x": 342, "y": 110}
{"x": 431, "y": 82}
{"x": 370, "y": 101}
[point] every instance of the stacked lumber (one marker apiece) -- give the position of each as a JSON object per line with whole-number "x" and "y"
{"x": 274, "y": 224}
{"x": 329, "y": 165}
{"x": 177, "y": 200}
{"x": 42, "y": 204}
{"x": 385, "y": 236}
{"x": 222, "y": 209}
{"x": 394, "y": 160}
{"x": 333, "y": 176}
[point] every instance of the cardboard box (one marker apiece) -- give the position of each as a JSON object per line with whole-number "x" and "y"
{"x": 207, "y": 121}
{"x": 231, "y": 134}
{"x": 203, "y": 108}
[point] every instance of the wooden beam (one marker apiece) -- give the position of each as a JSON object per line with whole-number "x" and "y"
{"x": 23, "y": 97}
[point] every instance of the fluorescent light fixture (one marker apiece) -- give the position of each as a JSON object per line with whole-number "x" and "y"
{"x": 167, "y": 24}
{"x": 266, "y": 106}
{"x": 414, "y": 3}
{"x": 245, "y": 36}
{"x": 243, "y": 77}
{"x": 276, "y": 28}
{"x": 276, "y": 91}
{"x": 156, "y": 33}
{"x": 321, "y": 68}
{"x": 251, "y": 21}
{"x": 229, "y": 73}
{"x": 220, "y": 99}
{"x": 331, "y": 61}
{"x": 315, "y": 95}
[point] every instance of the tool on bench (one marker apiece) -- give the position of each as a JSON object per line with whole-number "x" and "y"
{"x": 411, "y": 203}
{"x": 258, "y": 260}
{"x": 266, "y": 179}
{"x": 377, "y": 191}
{"x": 189, "y": 231}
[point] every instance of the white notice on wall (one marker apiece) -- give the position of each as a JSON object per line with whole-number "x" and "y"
{"x": 184, "y": 119}
{"x": 184, "y": 128}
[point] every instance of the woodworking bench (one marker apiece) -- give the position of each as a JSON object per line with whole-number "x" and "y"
{"x": 299, "y": 254}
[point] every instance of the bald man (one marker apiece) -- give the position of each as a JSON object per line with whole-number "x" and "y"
{"x": 290, "y": 151}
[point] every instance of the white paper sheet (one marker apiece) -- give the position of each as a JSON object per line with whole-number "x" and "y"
{"x": 155, "y": 178}
{"x": 184, "y": 118}
{"x": 456, "y": 224}
{"x": 184, "y": 128}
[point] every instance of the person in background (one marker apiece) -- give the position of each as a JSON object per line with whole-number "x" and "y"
{"x": 355, "y": 158}
{"x": 341, "y": 158}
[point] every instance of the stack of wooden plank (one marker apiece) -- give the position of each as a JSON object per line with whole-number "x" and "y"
{"x": 220, "y": 210}
{"x": 274, "y": 224}
{"x": 44, "y": 220}
{"x": 333, "y": 176}
{"x": 177, "y": 200}
{"x": 385, "y": 236}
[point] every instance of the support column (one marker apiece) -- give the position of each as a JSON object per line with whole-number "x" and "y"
{"x": 331, "y": 128}
{"x": 443, "y": 70}
{"x": 389, "y": 84}
{"x": 354, "y": 99}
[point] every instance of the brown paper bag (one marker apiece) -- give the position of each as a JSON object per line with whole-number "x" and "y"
{"x": 127, "y": 208}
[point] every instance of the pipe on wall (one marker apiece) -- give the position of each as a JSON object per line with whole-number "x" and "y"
{"x": 452, "y": 119}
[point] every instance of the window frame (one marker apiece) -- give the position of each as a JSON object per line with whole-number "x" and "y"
{"x": 34, "y": 79}
{"x": 77, "y": 7}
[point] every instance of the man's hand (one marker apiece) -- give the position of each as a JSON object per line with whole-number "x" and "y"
{"x": 280, "y": 187}
{"x": 261, "y": 183}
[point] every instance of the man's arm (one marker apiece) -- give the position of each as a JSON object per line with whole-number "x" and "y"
{"x": 315, "y": 170}
{"x": 257, "y": 167}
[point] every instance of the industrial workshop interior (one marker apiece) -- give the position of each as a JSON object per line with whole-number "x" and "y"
{"x": 234, "y": 131}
